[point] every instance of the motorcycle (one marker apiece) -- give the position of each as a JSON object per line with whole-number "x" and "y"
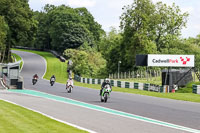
{"x": 69, "y": 88}
{"x": 105, "y": 93}
{"x": 52, "y": 81}
{"x": 34, "y": 80}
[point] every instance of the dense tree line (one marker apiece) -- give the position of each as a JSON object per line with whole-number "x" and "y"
{"x": 87, "y": 63}
{"x": 21, "y": 25}
{"x": 145, "y": 28}
{"x": 64, "y": 27}
{"x": 3, "y": 34}
{"x": 148, "y": 28}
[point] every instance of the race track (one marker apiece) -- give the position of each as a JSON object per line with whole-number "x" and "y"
{"x": 181, "y": 113}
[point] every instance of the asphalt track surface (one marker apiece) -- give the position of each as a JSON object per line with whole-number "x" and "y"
{"x": 182, "y": 113}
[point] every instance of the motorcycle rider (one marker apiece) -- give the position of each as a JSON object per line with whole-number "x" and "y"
{"x": 53, "y": 78}
{"x": 35, "y": 76}
{"x": 69, "y": 82}
{"x": 106, "y": 82}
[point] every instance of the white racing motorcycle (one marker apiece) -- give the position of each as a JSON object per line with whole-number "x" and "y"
{"x": 105, "y": 93}
{"x": 69, "y": 88}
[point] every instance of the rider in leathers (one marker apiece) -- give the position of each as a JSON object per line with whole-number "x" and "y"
{"x": 106, "y": 82}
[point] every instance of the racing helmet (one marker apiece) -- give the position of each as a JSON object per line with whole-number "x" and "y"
{"x": 107, "y": 80}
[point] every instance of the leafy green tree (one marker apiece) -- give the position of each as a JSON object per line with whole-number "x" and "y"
{"x": 95, "y": 29}
{"x": 195, "y": 41}
{"x": 110, "y": 49}
{"x": 64, "y": 27}
{"x": 149, "y": 28}
{"x": 138, "y": 27}
{"x": 87, "y": 64}
{"x": 109, "y": 41}
{"x": 22, "y": 26}
{"x": 3, "y": 34}
{"x": 192, "y": 46}
{"x": 169, "y": 23}
{"x": 42, "y": 40}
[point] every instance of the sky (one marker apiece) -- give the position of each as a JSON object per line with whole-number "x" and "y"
{"x": 107, "y": 12}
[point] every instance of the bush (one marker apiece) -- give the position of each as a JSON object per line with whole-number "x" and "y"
{"x": 188, "y": 88}
{"x": 87, "y": 64}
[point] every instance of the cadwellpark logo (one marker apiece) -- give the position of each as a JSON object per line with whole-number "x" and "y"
{"x": 185, "y": 61}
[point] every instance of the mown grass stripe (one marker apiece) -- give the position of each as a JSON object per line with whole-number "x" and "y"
{"x": 103, "y": 109}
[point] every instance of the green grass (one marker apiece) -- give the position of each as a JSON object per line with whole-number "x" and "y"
{"x": 153, "y": 80}
{"x": 55, "y": 66}
{"x": 177, "y": 96}
{"x": 18, "y": 58}
{"x": 16, "y": 119}
{"x": 188, "y": 88}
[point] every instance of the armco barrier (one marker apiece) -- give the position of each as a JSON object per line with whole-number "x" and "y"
{"x": 112, "y": 82}
{"x": 127, "y": 85}
{"x": 118, "y": 83}
{"x": 124, "y": 84}
{"x": 141, "y": 86}
{"x": 115, "y": 82}
{"x": 136, "y": 85}
{"x": 99, "y": 81}
{"x": 196, "y": 89}
{"x": 146, "y": 87}
{"x": 93, "y": 81}
{"x": 161, "y": 89}
{"x": 155, "y": 88}
{"x": 131, "y": 85}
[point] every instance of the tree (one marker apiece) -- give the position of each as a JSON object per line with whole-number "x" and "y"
{"x": 64, "y": 27}
{"x": 137, "y": 25}
{"x": 95, "y": 29}
{"x": 3, "y": 34}
{"x": 66, "y": 30}
{"x": 21, "y": 24}
{"x": 110, "y": 49}
{"x": 149, "y": 28}
{"x": 87, "y": 64}
{"x": 42, "y": 40}
{"x": 169, "y": 22}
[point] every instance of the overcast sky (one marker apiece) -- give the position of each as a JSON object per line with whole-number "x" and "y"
{"x": 107, "y": 12}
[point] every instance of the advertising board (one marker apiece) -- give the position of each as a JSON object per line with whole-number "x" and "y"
{"x": 171, "y": 60}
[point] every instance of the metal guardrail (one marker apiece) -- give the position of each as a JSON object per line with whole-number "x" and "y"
{"x": 196, "y": 89}
{"x": 122, "y": 84}
{"x": 56, "y": 54}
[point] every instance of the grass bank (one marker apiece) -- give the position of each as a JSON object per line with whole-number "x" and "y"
{"x": 55, "y": 66}
{"x": 177, "y": 96}
{"x": 18, "y": 58}
{"x": 16, "y": 119}
{"x": 154, "y": 80}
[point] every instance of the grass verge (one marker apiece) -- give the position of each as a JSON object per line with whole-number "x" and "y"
{"x": 18, "y": 58}
{"x": 188, "y": 88}
{"x": 177, "y": 96}
{"x": 61, "y": 77}
{"x": 154, "y": 80}
{"x": 54, "y": 66}
{"x": 16, "y": 119}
